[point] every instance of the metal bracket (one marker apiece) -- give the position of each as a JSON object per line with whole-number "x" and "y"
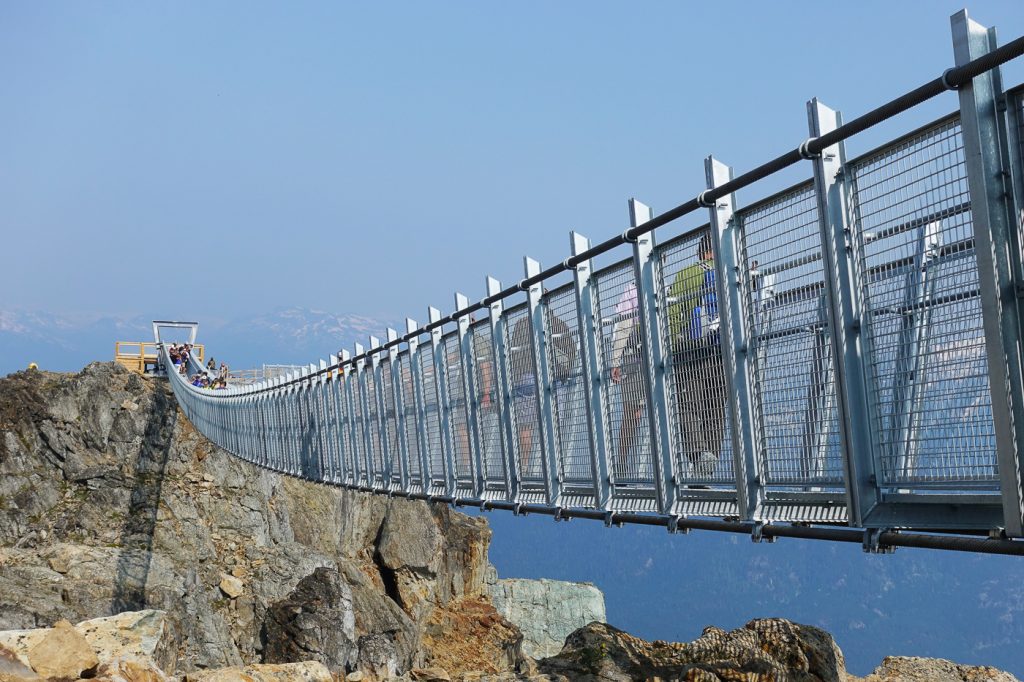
{"x": 673, "y": 525}
{"x": 757, "y": 533}
{"x": 872, "y": 542}
{"x": 560, "y": 515}
{"x": 610, "y": 520}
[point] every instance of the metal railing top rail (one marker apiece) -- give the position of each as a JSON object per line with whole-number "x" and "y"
{"x": 950, "y": 79}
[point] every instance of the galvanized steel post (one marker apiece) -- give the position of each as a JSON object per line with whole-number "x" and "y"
{"x": 645, "y": 271}
{"x": 591, "y": 364}
{"x": 444, "y": 403}
{"x": 735, "y": 342}
{"x": 504, "y": 392}
{"x": 396, "y": 390}
{"x": 995, "y": 236}
{"x": 416, "y": 371}
{"x": 543, "y": 386}
{"x": 468, "y": 384}
{"x": 841, "y": 261}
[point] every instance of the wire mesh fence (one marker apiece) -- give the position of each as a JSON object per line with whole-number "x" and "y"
{"x": 788, "y": 318}
{"x": 565, "y": 358}
{"x": 911, "y": 212}
{"x": 695, "y": 376}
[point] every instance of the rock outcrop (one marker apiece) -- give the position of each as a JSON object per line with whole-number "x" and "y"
{"x": 110, "y": 501}
{"x": 769, "y": 649}
{"x": 914, "y": 669}
{"x": 547, "y": 611}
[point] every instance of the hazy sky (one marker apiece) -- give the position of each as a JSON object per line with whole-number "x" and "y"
{"x": 375, "y": 157}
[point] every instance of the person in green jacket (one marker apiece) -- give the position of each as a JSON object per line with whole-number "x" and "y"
{"x": 699, "y": 377}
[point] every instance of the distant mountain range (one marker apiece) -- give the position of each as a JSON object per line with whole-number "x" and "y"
{"x": 284, "y": 336}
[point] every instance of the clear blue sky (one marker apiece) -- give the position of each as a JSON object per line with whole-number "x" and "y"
{"x": 373, "y": 158}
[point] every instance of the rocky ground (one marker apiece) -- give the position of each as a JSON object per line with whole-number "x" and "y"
{"x": 201, "y": 567}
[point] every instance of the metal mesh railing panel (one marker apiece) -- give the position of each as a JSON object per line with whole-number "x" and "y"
{"x": 432, "y": 415}
{"x": 572, "y": 429}
{"x": 522, "y": 377}
{"x": 486, "y": 395}
{"x": 694, "y": 373}
{"x": 788, "y": 318}
{"x": 625, "y": 376}
{"x": 461, "y": 447}
{"x": 911, "y": 214}
{"x": 409, "y": 416}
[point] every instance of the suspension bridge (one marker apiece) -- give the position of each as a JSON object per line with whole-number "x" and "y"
{"x": 841, "y": 360}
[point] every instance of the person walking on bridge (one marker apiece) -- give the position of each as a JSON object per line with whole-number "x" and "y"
{"x": 697, "y": 361}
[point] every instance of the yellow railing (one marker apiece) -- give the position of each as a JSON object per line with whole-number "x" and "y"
{"x": 141, "y": 356}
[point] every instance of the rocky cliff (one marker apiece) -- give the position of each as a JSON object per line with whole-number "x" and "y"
{"x": 110, "y": 501}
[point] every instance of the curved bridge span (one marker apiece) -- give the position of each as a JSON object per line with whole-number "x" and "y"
{"x": 841, "y": 360}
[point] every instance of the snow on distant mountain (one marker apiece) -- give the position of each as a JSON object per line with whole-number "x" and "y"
{"x": 284, "y": 336}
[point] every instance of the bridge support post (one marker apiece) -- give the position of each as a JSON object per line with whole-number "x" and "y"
{"x": 469, "y": 382}
{"x": 401, "y": 481}
{"x": 538, "y": 343}
{"x": 735, "y": 344}
{"x": 382, "y": 458}
{"x": 416, "y": 372}
{"x": 447, "y": 475}
{"x": 503, "y": 392}
{"x": 997, "y": 245}
{"x": 591, "y": 364}
{"x": 347, "y": 425}
{"x": 360, "y": 395}
{"x": 645, "y": 270}
{"x": 841, "y": 261}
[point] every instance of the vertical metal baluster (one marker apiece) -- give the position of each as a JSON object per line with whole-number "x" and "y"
{"x": 995, "y": 238}
{"x": 443, "y": 403}
{"x": 396, "y": 390}
{"x": 841, "y": 261}
{"x": 346, "y": 374}
{"x": 416, "y": 371}
{"x": 503, "y": 392}
{"x": 538, "y": 346}
{"x": 591, "y": 364}
{"x": 645, "y": 265}
{"x": 735, "y": 343}
{"x": 469, "y": 382}
{"x": 364, "y": 416}
{"x": 380, "y": 477}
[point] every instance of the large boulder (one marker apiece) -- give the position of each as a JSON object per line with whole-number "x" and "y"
{"x": 762, "y": 650}
{"x": 547, "y": 611}
{"x": 315, "y": 621}
{"x": 144, "y": 636}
